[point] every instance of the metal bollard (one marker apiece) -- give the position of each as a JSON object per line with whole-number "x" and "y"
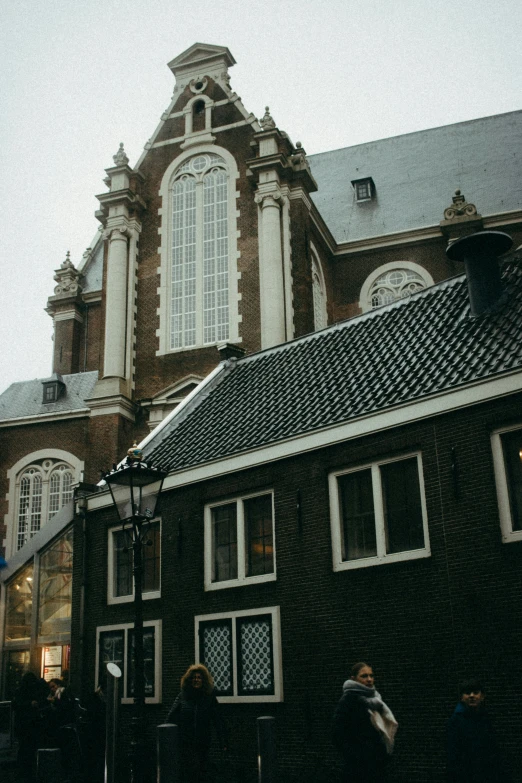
{"x": 266, "y": 750}
{"x": 48, "y": 765}
{"x": 168, "y": 754}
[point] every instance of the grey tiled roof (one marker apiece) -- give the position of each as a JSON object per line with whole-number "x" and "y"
{"x": 416, "y": 175}
{"x": 398, "y": 353}
{"x": 25, "y": 397}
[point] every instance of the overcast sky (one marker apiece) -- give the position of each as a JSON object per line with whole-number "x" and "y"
{"x": 79, "y": 78}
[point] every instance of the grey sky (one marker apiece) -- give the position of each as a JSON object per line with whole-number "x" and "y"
{"x": 80, "y": 78}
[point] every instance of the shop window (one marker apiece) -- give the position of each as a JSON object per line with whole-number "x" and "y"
{"x": 115, "y": 644}
{"x": 239, "y": 541}
{"x": 378, "y": 513}
{"x": 242, "y": 651}
{"x": 121, "y": 562}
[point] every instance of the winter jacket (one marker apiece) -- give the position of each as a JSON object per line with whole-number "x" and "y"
{"x": 473, "y": 755}
{"x": 195, "y": 713}
{"x": 361, "y": 745}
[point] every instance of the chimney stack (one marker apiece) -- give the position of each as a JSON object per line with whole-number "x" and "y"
{"x": 479, "y": 253}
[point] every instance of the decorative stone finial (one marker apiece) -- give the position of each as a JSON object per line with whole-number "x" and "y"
{"x": 120, "y": 159}
{"x": 459, "y": 208}
{"x": 267, "y": 122}
{"x": 67, "y": 278}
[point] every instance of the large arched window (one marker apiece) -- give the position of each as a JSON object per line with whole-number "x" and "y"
{"x": 199, "y": 264}
{"x": 43, "y": 489}
{"x": 319, "y": 295}
{"x": 391, "y": 282}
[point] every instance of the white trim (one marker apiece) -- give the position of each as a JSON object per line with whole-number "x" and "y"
{"x": 316, "y": 264}
{"x": 82, "y": 413}
{"x": 11, "y": 516}
{"x": 242, "y": 578}
{"x": 364, "y": 302}
{"x": 165, "y": 249}
{"x": 417, "y": 410}
{"x": 274, "y": 611}
{"x": 501, "y": 481}
{"x": 157, "y": 624}
{"x": 67, "y": 315}
{"x": 336, "y": 522}
{"x": 124, "y": 599}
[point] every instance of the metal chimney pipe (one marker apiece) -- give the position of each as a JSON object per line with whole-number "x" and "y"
{"x": 479, "y": 253}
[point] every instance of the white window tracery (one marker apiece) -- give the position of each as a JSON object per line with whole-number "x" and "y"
{"x": 200, "y": 257}
{"x": 391, "y": 282}
{"x": 44, "y": 487}
{"x": 319, "y": 295}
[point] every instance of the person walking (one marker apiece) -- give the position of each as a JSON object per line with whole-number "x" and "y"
{"x": 196, "y": 711}
{"x": 472, "y": 751}
{"x": 364, "y": 728}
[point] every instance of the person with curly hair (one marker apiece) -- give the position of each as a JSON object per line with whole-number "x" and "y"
{"x": 363, "y": 728}
{"x": 196, "y": 711}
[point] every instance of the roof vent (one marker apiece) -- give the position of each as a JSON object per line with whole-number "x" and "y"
{"x": 479, "y": 253}
{"x": 230, "y": 351}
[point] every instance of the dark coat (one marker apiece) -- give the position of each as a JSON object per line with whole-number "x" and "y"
{"x": 195, "y": 714}
{"x": 473, "y": 755}
{"x": 364, "y": 752}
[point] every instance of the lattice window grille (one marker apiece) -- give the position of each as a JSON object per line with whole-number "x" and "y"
{"x": 394, "y": 285}
{"x": 255, "y": 656}
{"x": 217, "y": 649}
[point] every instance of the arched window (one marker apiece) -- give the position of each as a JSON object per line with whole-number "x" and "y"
{"x": 43, "y": 488}
{"x": 199, "y": 290}
{"x": 391, "y": 282}
{"x": 319, "y": 295}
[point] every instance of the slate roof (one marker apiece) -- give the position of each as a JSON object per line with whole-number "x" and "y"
{"x": 400, "y": 352}
{"x": 416, "y": 175}
{"x": 24, "y": 398}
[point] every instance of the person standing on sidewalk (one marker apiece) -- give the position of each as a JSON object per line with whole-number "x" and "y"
{"x": 364, "y": 728}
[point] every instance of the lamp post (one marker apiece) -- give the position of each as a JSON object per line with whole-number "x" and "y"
{"x": 135, "y": 488}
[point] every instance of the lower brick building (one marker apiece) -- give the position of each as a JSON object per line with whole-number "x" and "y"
{"x": 353, "y": 494}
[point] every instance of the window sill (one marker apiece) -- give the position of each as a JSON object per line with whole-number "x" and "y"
{"x": 127, "y": 599}
{"x": 350, "y": 565}
{"x": 250, "y": 580}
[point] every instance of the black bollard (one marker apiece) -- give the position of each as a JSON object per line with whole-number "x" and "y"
{"x": 48, "y": 765}
{"x": 168, "y": 753}
{"x": 266, "y": 750}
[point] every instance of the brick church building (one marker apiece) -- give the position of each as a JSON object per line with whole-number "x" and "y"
{"x": 284, "y": 332}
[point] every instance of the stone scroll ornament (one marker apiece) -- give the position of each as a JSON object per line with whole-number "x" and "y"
{"x": 459, "y": 208}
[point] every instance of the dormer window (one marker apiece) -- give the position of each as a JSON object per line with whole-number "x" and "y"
{"x": 53, "y": 389}
{"x": 364, "y": 189}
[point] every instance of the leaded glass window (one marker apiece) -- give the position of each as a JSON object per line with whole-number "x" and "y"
{"x": 255, "y": 660}
{"x": 43, "y": 489}
{"x": 216, "y": 653}
{"x": 199, "y": 253}
{"x": 395, "y": 284}
{"x": 123, "y": 561}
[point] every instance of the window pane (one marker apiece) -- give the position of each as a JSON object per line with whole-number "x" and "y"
{"x": 111, "y": 647}
{"x": 402, "y": 506}
{"x": 215, "y": 651}
{"x": 151, "y": 559}
{"x": 358, "y": 517}
{"x": 512, "y": 445}
{"x": 148, "y": 662}
{"x": 19, "y": 606}
{"x": 224, "y": 538}
{"x": 254, "y": 656}
{"x": 259, "y": 535}
{"x": 122, "y": 562}
{"x": 55, "y": 593}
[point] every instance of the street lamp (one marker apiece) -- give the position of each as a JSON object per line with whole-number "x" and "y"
{"x": 135, "y": 488}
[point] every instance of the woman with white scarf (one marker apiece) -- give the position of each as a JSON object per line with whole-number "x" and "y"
{"x": 364, "y": 728}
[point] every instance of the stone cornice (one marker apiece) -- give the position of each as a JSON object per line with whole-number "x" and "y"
{"x": 81, "y": 413}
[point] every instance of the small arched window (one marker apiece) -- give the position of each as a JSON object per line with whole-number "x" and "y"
{"x": 44, "y": 487}
{"x": 391, "y": 282}
{"x": 199, "y": 313}
{"x": 319, "y": 295}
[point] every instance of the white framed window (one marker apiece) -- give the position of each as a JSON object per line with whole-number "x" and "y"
{"x": 240, "y": 541}
{"x": 42, "y": 488}
{"x": 198, "y": 293}
{"x": 391, "y": 282}
{"x": 115, "y": 644}
{"x": 319, "y": 294}
{"x": 378, "y": 513}
{"x": 507, "y": 461}
{"x": 242, "y": 651}
{"x": 120, "y": 582}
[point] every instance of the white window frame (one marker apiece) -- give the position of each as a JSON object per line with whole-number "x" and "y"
{"x": 501, "y": 481}
{"x": 319, "y": 297}
{"x": 164, "y": 271}
{"x": 123, "y": 599}
{"x": 242, "y": 578}
{"x": 336, "y": 517}
{"x": 274, "y": 611}
{"x": 365, "y": 299}
{"x": 157, "y": 624}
